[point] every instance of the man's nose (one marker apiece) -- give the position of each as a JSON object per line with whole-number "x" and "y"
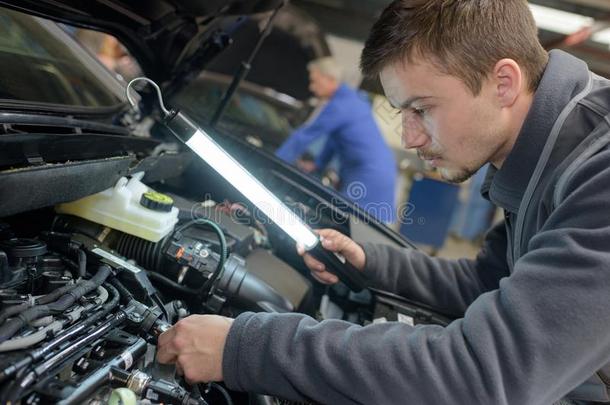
{"x": 413, "y": 134}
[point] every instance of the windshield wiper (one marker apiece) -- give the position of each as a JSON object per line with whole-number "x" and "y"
{"x": 76, "y": 125}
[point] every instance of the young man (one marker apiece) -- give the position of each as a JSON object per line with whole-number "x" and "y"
{"x": 474, "y": 86}
{"x": 367, "y": 167}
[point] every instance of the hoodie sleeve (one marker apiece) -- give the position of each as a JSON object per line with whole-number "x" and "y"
{"x": 538, "y": 335}
{"x": 448, "y": 285}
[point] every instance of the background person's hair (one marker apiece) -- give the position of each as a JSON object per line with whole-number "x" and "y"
{"x": 327, "y": 66}
{"x": 462, "y": 38}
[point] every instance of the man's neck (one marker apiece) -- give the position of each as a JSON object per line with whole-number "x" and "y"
{"x": 520, "y": 112}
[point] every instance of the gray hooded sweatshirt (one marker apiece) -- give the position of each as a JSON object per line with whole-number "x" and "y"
{"x": 533, "y": 307}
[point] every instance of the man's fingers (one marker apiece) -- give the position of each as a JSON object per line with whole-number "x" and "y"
{"x": 313, "y": 264}
{"x": 165, "y": 356}
{"x": 337, "y": 242}
{"x": 333, "y": 240}
{"x": 300, "y": 249}
{"x": 166, "y": 351}
{"x": 328, "y": 233}
{"x": 166, "y": 337}
{"x": 179, "y": 370}
{"x": 325, "y": 277}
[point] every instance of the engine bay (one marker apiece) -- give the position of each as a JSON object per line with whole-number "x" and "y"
{"x": 82, "y": 304}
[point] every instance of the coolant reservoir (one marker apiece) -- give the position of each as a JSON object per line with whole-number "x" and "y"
{"x": 130, "y": 206}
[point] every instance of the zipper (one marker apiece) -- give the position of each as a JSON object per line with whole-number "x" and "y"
{"x": 509, "y": 241}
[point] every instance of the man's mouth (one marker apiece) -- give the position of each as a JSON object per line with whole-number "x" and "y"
{"x": 428, "y": 156}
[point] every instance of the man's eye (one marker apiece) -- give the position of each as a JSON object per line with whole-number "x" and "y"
{"x": 419, "y": 111}
{"x": 397, "y": 112}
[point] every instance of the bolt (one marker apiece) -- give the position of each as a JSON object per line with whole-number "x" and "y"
{"x": 98, "y": 353}
{"x": 135, "y": 317}
{"x": 82, "y": 366}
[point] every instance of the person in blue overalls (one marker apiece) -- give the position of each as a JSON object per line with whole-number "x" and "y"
{"x": 367, "y": 167}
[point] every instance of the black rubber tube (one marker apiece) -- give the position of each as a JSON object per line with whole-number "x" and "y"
{"x": 171, "y": 283}
{"x": 126, "y": 296}
{"x": 15, "y": 309}
{"x": 11, "y": 327}
{"x": 75, "y": 330}
{"x": 52, "y": 296}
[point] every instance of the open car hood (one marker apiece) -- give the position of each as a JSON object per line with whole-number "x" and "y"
{"x": 171, "y": 39}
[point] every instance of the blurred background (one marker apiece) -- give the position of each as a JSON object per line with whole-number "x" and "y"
{"x": 274, "y": 99}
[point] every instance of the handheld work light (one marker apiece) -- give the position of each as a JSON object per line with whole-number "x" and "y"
{"x": 268, "y": 203}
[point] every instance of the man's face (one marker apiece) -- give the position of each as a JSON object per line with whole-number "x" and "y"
{"x": 321, "y": 85}
{"x": 451, "y": 128}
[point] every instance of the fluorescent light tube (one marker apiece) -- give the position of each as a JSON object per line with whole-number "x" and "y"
{"x": 233, "y": 172}
{"x": 203, "y": 145}
{"x": 602, "y": 37}
{"x": 559, "y": 21}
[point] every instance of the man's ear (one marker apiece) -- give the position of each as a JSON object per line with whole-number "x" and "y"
{"x": 508, "y": 80}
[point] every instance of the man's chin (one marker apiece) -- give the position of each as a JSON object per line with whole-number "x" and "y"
{"x": 455, "y": 176}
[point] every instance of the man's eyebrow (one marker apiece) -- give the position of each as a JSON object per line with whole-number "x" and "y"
{"x": 407, "y": 103}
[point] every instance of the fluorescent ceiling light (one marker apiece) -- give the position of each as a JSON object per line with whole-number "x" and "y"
{"x": 559, "y": 21}
{"x": 603, "y": 36}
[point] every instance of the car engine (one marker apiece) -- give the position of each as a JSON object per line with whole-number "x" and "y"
{"x": 82, "y": 304}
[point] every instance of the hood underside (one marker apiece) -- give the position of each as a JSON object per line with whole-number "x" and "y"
{"x": 170, "y": 39}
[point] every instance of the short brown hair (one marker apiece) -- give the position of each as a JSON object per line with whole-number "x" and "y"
{"x": 463, "y": 38}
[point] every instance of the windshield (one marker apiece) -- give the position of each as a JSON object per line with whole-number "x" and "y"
{"x": 202, "y": 97}
{"x": 40, "y": 64}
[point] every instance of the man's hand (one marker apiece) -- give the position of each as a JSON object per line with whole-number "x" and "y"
{"x": 335, "y": 242}
{"x": 196, "y": 344}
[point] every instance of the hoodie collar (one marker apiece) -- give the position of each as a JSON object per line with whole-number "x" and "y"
{"x": 564, "y": 77}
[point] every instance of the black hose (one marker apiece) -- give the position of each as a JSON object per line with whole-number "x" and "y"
{"x": 126, "y": 296}
{"x": 223, "y": 392}
{"x": 65, "y": 335}
{"x": 159, "y": 303}
{"x": 52, "y": 296}
{"x": 171, "y": 283}
{"x": 148, "y": 255}
{"x": 8, "y": 329}
{"x": 109, "y": 305}
{"x": 15, "y": 309}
